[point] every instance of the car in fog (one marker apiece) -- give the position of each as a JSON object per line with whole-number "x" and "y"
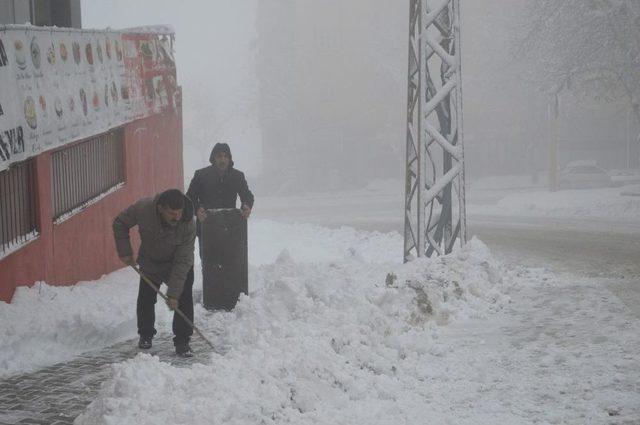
{"x": 626, "y": 176}
{"x": 584, "y": 175}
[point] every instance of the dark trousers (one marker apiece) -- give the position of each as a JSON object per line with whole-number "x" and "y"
{"x": 146, "y": 311}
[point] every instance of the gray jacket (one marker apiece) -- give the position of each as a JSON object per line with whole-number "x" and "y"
{"x": 166, "y": 253}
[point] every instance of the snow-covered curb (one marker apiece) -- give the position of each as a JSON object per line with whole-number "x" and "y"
{"x": 608, "y": 204}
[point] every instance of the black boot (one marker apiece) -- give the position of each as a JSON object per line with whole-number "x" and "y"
{"x": 183, "y": 350}
{"x": 145, "y": 342}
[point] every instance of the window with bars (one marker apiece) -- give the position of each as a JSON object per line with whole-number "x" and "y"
{"x": 83, "y": 173}
{"x": 18, "y": 214}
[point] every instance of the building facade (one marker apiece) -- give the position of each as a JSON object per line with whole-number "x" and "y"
{"x": 90, "y": 121}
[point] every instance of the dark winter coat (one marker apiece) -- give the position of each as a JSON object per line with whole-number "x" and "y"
{"x": 210, "y": 189}
{"x": 166, "y": 252}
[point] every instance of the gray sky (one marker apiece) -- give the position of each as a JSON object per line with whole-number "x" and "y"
{"x": 211, "y": 35}
{"x": 214, "y": 65}
{"x": 216, "y": 48}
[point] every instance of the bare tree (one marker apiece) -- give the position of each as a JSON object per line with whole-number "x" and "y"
{"x": 591, "y": 47}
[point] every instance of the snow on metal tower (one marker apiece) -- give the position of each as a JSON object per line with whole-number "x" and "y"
{"x": 434, "y": 188}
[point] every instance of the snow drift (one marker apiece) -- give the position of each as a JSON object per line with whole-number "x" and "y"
{"x": 342, "y": 340}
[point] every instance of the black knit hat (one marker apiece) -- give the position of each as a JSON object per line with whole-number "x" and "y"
{"x": 221, "y": 147}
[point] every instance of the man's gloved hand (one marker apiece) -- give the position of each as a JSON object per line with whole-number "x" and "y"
{"x": 128, "y": 260}
{"x": 202, "y": 214}
{"x": 172, "y": 303}
{"x": 246, "y": 211}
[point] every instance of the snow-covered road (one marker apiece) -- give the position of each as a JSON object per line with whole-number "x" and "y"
{"x": 583, "y": 246}
{"x": 579, "y": 239}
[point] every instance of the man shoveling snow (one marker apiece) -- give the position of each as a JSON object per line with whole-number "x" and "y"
{"x": 167, "y": 234}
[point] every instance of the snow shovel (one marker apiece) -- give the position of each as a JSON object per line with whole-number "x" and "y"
{"x": 177, "y": 310}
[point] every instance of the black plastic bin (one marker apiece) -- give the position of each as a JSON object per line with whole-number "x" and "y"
{"x": 223, "y": 245}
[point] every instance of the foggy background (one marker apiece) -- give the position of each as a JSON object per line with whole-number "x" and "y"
{"x": 311, "y": 95}
{"x": 215, "y": 50}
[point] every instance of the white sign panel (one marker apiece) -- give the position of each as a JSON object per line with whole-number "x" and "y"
{"x": 59, "y": 86}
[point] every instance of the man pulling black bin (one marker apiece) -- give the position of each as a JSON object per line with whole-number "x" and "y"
{"x": 222, "y": 228}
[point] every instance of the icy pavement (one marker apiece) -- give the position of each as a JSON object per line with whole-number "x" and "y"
{"x": 57, "y": 394}
{"x": 565, "y": 351}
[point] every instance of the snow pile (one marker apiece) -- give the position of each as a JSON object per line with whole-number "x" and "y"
{"x": 507, "y": 182}
{"x": 343, "y": 340}
{"x": 308, "y": 243}
{"x": 47, "y": 324}
{"x": 589, "y": 203}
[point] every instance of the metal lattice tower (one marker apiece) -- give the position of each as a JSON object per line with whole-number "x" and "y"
{"x": 434, "y": 189}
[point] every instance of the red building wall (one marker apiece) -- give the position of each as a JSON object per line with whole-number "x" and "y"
{"x": 82, "y": 247}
